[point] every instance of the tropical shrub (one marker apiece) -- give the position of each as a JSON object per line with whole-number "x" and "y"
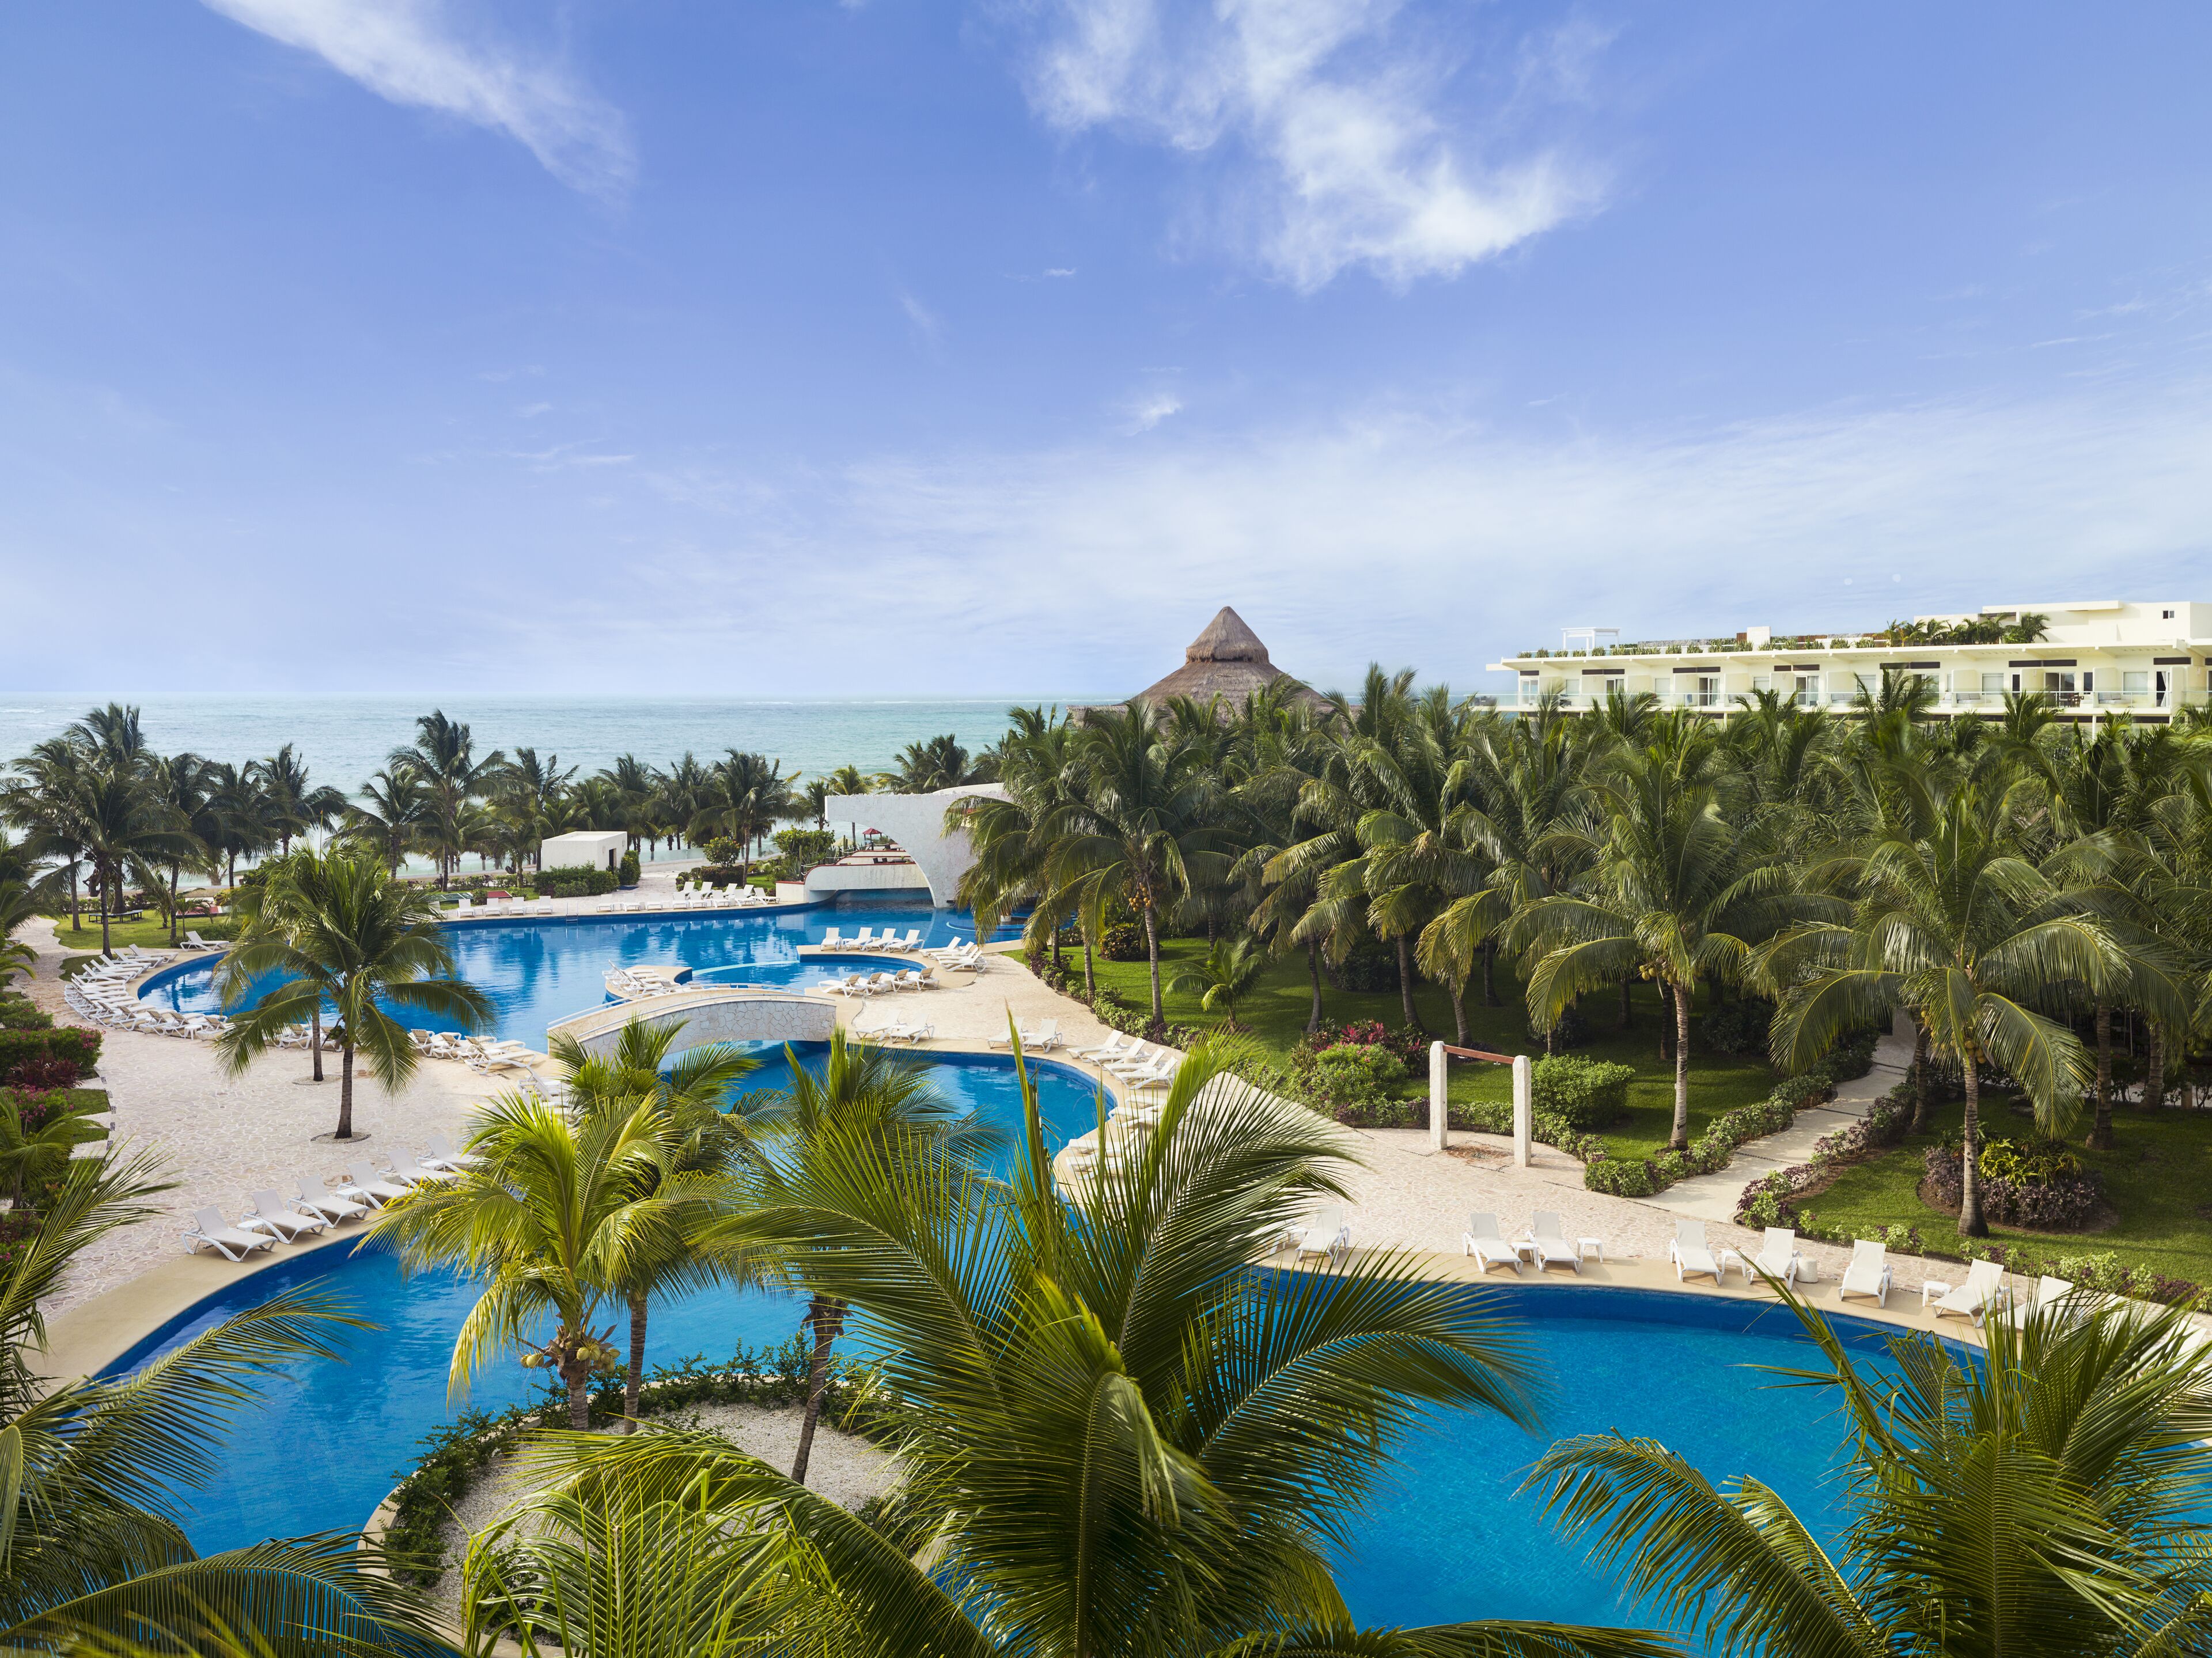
{"x": 1123, "y": 942}
{"x": 2036, "y": 1161}
{"x": 1584, "y": 1093}
{"x": 803, "y": 849}
{"x": 21, "y": 1013}
{"x": 575, "y": 881}
{"x": 2052, "y": 1202}
{"x": 1356, "y": 1083}
{"x": 43, "y": 1072}
{"x": 1740, "y": 1027}
{"x": 1409, "y": 1045}
{"x": 80, "y": 1047}
{"x": 723, "y": 850}
{"x": 629, "y": 870}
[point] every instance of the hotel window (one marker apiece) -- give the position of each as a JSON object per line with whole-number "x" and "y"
{"x": 1993, "y": 685}
{"x": 2166, "y": 616}
{"x": 1762, "y": 682}
{"x": 2058, "y": 684}
{"x": 1805, "y": 688}
{"x": 2136, "y": 681}
{"x": 1708, "y": 690}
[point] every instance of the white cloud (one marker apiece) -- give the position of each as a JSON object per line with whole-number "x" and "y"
{"x": 1150, "y": 411}
{"x": 412, "y": 51}
{"x": 929, "y": 326}
{"x": 1061, "y": 270}
{"x": 1336, "y": 105}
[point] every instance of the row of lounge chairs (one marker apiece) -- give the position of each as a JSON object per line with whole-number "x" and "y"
{"x": 678, "y": 901}
{"x": 1037, "y": 1039}
{"x": 277, "y": 1218}
{"x": 119, "y": 1010}
{"x": 1544, "y": 1244}
{"x": 895, "y": 1030}
{"x": 481, "y": 1057}
{"x": 632, "y": 984}
{"x": 879, "y": 984}
{"x": 1138, "y": 1063}
{"x": 865, "y": 943}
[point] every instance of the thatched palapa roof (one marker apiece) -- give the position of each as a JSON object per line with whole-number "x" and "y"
{"x": 1227, "y": 660}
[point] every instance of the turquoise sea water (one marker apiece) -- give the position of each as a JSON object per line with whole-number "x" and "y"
{"x": 344, "y": 739}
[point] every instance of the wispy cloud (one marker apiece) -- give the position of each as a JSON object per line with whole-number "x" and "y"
{"x": 419, "y": 52}
{"x": 928, "y": 327}
{"x": 1150, "y": 411}
{"x": 1338, "y": 112}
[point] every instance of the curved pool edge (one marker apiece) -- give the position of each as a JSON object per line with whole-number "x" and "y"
{"x": 89, "y": 1337}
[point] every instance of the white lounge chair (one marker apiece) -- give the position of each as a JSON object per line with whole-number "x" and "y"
{"x": 1486, "y": 1244}
{"x": 952, "y": 947}
{"x": 867, "y": 940}
{"x": 1778, "y": 1257}
{"x": 1115, "y": 1047}
{"x": 329, "y": 1205}
{"x": 2054, "y": 1297}
{"x": 270, "y": 1213}
{"x": 1547, "y": 1243}
{"x": 1325, "y": 1234}
{"x": 406, "y": 1171}
{"x": 1867, "y": 1274}
{"x": 443, "y": 1154}
{"x": 911, "y": 980}
{"x": 831, "y": 941}
{"x": 1036, "y": 1038}
{"x": 1690, "y": 1255}
{"x": 210, "y": 1228}
{"x": 193, "y": 941}
{"x": 365, "y": 1185}
{"x": 1161, "y": 1074}
{"x": 1137, "y": 1056}
{"x": 911, "y": 942}
{"x": 1984, "y": 1288}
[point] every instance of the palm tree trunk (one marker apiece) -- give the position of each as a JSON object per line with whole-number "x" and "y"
{"x": 1628, "y": 1006}
{"x": 77, "y": 905}
{"x": 579, "y": 1378}
{"x": 1406, "y": 981}
{"x": 1970, "y": 1224}
{"x": 106, "y": 887}
{"x": 315, "y": 1042}
{"x": 1490, "y": 973}
{"x": 827, "y": 1315}
{"x": 1313, "y": 972}
{"x": 1089, "y": 976}
{"x": 1459, "y": 1010}
{"x": 173, "y": 873}
{"x": 345, "y": 1086}
{"x": 1679, "y": 1140}
{"x": 1153, "y": 950}
{"x": 1919, "y": 1078}
{"x": 2153, "y": 1097}
{"x": 635, "y": 1378}
{"x": 2100, "y": 1132}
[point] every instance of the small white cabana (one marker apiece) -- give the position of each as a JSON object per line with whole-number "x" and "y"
{"x": 596, "y": 848}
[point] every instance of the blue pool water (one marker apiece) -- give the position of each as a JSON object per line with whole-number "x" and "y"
{"x": 1448, "y": 1537}
{"x": 536, "y": 972}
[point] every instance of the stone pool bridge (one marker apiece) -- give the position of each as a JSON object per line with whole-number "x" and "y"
{"x": 711, "y": 1013}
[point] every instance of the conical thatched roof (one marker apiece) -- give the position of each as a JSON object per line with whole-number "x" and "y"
{"x": 1226, "y": 660}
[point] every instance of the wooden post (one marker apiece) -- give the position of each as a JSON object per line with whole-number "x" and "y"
{"x": 1439, "y": 1105}
{"x": 1524, "y": 1109}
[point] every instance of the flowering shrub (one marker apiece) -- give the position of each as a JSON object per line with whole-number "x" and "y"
{"x": 1409, "y": 1045}
{"x": 1355, "y": 1083}
{"x": 2060, "y": 1203}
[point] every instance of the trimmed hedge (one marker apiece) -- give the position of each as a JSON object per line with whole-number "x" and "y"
{"x": 80, "y": 1047}
{"x": 575, "y": 881}
{"x": 1584, "y": 1093}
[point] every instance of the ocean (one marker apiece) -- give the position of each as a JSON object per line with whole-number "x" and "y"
{"x": 344, "y": 739}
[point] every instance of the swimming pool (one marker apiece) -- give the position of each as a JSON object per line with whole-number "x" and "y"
{"x": 536, "y": 972}
{"x": 1447, "y": 1537}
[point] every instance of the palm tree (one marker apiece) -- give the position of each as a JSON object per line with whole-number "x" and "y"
{"x": 1118, "y": 1438}
{"x": 389, "y": 816}
{"x": 1667, "y": 895}
{"x": 443, "y": 756}
{"x": 745, "y": 796}
{"x": 294, "y": 804}
{"x": 127, "y": 834}
{"x": 178, "y": 782}
{"x": 239, "y": 809}
{"x": 1959, "y": 928}
{"x": 42, "y": 801}
{"x": 344, "y": 935}
{"x": 1134, "y": 823}
{"x": 90, "y": 1559}
{"x": 1227, "y": 974}
{"x": 2039, "y": 1502}
{"x": 547, "y": 1220}
{"x": 113, "y": 736}
{"x": 17, "y": 906}
{"x": 702, "y": 1142}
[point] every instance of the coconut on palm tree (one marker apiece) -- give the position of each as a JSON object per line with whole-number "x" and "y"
{"x": 343, "y": 936}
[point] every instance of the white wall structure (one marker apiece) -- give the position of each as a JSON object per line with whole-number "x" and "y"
{"x": 599, "y": 849}
{"x": 708, "y": 1016}
{"x": 2149, "y": 659}
{"x": 915, "y": 823}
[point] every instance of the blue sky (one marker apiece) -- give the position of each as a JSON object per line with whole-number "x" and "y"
{"x": 817, "y": 348}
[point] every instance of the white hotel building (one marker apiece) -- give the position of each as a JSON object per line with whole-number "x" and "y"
{"x": 2098, "y": 656}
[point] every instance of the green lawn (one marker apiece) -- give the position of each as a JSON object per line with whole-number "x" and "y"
{"x": 2157, "y": 1176}
{"x": 151, "y": 933}
{"x": 1275, "y": 1014}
